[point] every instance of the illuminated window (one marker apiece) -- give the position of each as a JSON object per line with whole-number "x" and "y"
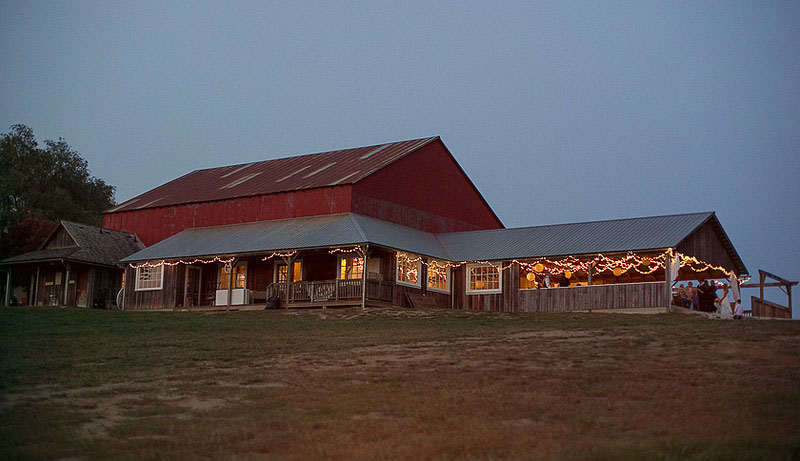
{"x": 282, "y": 272}
{"x": 149, "y": 278}
{"x": 408, "y": 269}
{"x": 239, "y": 276}
{"x": 350, "y": 267}
{"x": 438, "y": 276}
{"x": 483, "y": 278}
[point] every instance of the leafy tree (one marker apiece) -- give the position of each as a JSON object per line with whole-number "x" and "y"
{"x": 47, "y": 183}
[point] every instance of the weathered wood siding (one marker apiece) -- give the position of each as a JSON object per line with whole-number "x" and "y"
{"x": 61, "y": 239}
{"x": 705, "y": 244}
{"x": 165, "y": 298}
{"x": 619, "y": 296}
{"x": 763, "y": 308}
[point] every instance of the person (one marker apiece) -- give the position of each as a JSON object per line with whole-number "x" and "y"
{"x": 695, "y": 297}
{"x": 702, "y": 296}
{"x": 723, "y": 303}
{"x": 563, "y": 281}
{"x": 683, "y": 294}
{"x": 738, "y": 310}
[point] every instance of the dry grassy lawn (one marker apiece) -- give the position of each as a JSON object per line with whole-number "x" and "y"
{"x": 395, "y": 383}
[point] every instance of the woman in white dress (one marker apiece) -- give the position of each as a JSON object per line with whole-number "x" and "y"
{"x": 723, "y": 304}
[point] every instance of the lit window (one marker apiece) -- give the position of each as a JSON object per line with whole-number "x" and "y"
{"x": 438, "y": 276}
{"x": 350, "y": 267}
{"x": 483, "y": 278}
{"x": 149, "y": 278}
{"x": 297, "y": 272}
{"x": 239, "y": 276}
{"x": 408, "y": 268}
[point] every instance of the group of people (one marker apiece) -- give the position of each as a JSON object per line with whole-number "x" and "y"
{"x": 704, "y": 297}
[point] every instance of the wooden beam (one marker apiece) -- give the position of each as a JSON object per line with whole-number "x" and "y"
{"x": 766, "y": 285}
{"x": 66, "y": 285}
{"x": 36, "y": 291}
{"x": 364, "y": 277}
{"x": 7, "y": 299}
{"x": 765, "y": 274}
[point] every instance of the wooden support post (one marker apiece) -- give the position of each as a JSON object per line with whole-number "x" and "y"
{"x": 230, "y": 284}
{"x": 186, "y": 286}
{"x": 364, "y": 277}
{"x": 289, "y": 260}
{"x": 30, "y": 290}
{"x": 90, "y": 288}
{"x": 36, "y": 290}
{"x": 761, "y": 279}
{"x": 66, "y": 285}
{"x": 7, "y": 300}
{"x": 589, "y": 297}
{"x": 668, "y": 279}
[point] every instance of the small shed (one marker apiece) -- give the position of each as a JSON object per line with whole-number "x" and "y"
{"x": 77, "y": 265}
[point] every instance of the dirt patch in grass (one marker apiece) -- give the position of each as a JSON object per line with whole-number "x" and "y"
{"x": 381, "y": 383}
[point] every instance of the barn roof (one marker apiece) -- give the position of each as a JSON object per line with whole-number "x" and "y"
{"x": 322, "y": 169}
{"x": 619, "y": 235}
{"x": 92, "y": 245}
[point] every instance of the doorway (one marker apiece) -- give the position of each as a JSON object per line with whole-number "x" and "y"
{"x": 192, "y": 287}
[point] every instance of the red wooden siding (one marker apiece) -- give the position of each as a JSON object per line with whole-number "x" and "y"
{"x": 425, "y": 190}
{"x": 155, "y": 224}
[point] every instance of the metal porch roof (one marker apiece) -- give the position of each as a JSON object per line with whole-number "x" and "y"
{"x": 323, "y": 169}
{"x": 291, "y": 234}
{"x": 573, "y": 239}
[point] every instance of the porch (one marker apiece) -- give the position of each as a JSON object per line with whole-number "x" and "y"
{"x": 323, "y": 292}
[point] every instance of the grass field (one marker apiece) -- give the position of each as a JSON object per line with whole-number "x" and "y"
{"x": 395, "y": 383}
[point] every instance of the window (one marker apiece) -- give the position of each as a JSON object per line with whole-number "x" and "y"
{"x": 149, "y": 278}
{"x": 408, "y": 269}
{"x": 483, "y": 278}
{"x": 239, "y": 276}
{"x": 281, "y": 273}
{"x": 350, "y": 267}
{"x": 438, "y": 276}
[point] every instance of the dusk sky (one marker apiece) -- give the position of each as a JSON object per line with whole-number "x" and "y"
{"x": 557, "y": 111}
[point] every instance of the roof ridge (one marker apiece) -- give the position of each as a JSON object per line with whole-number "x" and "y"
{"x": 293, "y": 156}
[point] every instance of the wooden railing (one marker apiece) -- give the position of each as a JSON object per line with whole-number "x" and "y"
{"x": 331, "y": 290}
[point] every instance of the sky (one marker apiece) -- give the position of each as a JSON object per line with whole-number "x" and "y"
{"x": 557, "y": 111}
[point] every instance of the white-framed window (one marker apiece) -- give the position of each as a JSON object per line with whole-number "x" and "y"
{"x": 484, "y": 278}
{"x": 408, "y": 270}
{"x": 239, "y": 276}
{"x": 281, "y": 271}
{"x": 350, "y": 268}
{"x": 149, "y": 278}
{"x": 438, "y": 276}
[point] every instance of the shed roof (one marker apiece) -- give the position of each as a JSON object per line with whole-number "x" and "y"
{"x": 93, "y": 245}
{"x": 308, "y": 171}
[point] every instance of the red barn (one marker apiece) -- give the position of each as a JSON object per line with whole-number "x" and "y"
{"x": 414, "y": 183}
{"x": 394, "y": 224}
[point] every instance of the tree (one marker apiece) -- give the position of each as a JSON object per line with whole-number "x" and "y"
{"x": 49, "y": 183}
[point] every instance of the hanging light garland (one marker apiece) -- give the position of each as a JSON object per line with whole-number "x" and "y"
{"x": 568, "y": 266}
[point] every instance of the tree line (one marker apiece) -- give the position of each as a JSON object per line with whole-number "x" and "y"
{"x": 41, "y": 185}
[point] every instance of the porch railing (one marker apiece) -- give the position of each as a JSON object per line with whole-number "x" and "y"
{"x": 331, "y": 290}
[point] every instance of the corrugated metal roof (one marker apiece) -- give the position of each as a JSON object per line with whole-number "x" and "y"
{"x": 290, "y": 234}
{"x": 343, "y": 229}
{"x": 573, "y": 239}
{"x": 332, "y": 168}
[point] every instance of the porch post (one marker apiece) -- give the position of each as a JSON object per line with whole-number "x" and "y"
{"x": 8, "y": 287}
{"x": 590, "y": 300}
{"x": 185, "y": 284}
{"x": 668, "y": 279}
{"x": 30, "y": 290}
{"x": 230, "y": 284}
{"x": 36, "y": 290}
{"x": 364, "y": 277}
{"x": 289, "y": 260}
{"x": 66, "y": 285}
